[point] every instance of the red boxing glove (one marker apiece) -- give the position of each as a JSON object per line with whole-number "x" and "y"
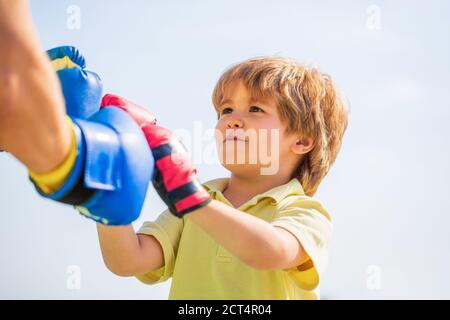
{"x": 175, "y": 177}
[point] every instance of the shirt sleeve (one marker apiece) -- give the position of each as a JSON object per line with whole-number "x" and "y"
{"x": 310, "y": 223}
{"x": 167, "y": 230}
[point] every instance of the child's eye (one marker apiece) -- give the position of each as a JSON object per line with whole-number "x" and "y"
{"x": 256, "y": 108}
{"x": 252, "y": 109}
{"x": 225, "y": 110}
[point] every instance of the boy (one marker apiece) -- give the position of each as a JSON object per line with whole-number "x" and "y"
{"x": 261, "y": 236}
{"x": 226, "y": 253}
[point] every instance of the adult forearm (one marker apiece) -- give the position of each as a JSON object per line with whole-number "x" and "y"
{"x": 252, "y": 240}
{"x": 32, "y": 111}
{"x": 16, "y": 31}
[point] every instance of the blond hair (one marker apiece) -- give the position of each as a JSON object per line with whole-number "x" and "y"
{"x": 307, "y": 101}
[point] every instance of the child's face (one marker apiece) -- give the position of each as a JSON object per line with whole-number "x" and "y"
{"x": 250, "y": 135}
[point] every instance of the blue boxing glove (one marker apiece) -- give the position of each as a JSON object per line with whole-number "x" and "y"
{"x": 114, "y": 164}
{"x": 82, "y": 89}
{"x": 113, "y": 168}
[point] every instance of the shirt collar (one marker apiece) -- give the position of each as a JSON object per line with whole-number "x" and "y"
{"x": 293, "y": 187}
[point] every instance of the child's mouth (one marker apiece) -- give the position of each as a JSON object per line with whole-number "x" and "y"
{"x": 233, "y": 139}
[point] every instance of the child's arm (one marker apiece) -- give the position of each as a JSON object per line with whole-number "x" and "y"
{"x": 126, "y": 253}
{"x": 254, "y": 241}
{"x": 32, "y": 125}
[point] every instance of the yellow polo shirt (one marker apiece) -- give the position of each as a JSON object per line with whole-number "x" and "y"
{"x": 201, "y": 269}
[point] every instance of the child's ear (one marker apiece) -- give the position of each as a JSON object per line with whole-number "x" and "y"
{"x": 302, "y": 145}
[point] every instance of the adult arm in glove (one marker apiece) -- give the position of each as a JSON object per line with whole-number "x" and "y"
{"x": 112, "y": 164}
{"x": 34, "y": 128}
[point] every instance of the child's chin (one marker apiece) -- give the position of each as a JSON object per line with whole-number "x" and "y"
{"x": 242, "y": 168}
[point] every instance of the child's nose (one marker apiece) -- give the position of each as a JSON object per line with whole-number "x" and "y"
{"x": 235, "y": 123}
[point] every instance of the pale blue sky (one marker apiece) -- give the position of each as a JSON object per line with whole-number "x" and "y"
{"x": 387, "y": 192}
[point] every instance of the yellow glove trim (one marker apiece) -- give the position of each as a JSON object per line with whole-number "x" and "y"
{"x": 53, "y": 180}
{"x": 63, "y": 63}
{"x": 86, "y": 213}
